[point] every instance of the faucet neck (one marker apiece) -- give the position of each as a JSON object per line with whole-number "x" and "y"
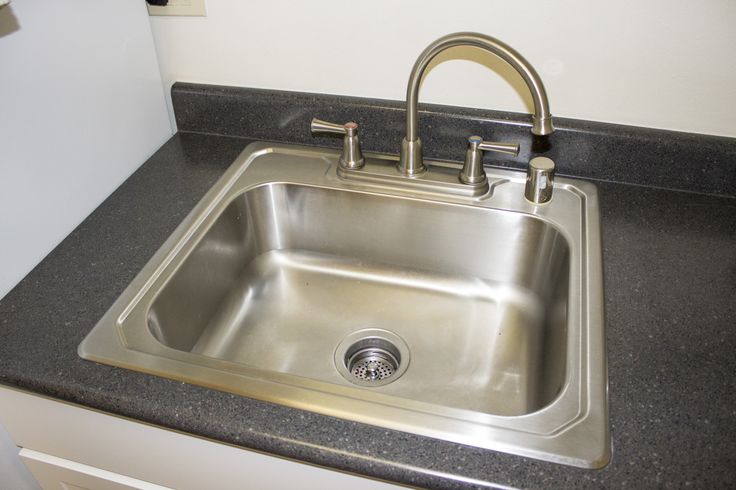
{"x": 410, "y": 162}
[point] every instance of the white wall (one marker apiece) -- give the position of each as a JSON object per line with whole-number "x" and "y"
{"x": 81, "y": 107}
{"x": 659, "y": 63}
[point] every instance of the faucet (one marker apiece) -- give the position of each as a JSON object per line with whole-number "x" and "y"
{"x": 411, "y": 161}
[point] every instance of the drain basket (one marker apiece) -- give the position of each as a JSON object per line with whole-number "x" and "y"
{"x": 372, "y": 357}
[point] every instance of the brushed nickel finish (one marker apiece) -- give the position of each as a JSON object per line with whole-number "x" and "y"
{"x": 352, "y": 156}
{"x": 411, "y": 161}
{"x": 472, "y": 172}
{"x": 499, "y": 302}
{"x": 540, "y": 179}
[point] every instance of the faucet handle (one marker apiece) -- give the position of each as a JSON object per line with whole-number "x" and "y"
{"x": 352, "y": 156}
{"x": 320, "y": 126}
{"x": 472, "y": 172}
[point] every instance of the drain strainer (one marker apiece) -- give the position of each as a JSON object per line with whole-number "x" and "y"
{"x": 372, "y": 364}
{"x": 372, "y": 357}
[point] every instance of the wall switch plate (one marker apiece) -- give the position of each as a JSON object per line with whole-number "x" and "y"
{"x": 179, "y": 7}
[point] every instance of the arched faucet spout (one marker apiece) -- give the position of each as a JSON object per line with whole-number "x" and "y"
{"x": 410, "y": 161}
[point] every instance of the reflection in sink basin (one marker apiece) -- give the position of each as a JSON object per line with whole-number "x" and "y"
{"x": 297, "y": 268}
{"x": 496, "y": 304}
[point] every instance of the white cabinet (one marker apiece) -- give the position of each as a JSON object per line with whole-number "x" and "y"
{"x": 54, "y": 473}
{"x": 67, "y": 447}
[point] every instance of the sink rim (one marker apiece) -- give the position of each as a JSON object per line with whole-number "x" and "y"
{"x": 534, "y": 434}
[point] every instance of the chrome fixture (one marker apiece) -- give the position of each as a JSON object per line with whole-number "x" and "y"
{"x": 540, "y": 176}
{"x": 411, "y": 161}
{"x": 351, "y": 157}
{"x": 472, "y": 172}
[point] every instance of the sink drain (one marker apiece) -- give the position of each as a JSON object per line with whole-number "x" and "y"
{"x": 373, "y": 364}
{"x": 372, "y": 357}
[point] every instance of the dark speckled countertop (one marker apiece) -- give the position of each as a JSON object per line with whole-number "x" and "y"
{"x": 670, "y": 287}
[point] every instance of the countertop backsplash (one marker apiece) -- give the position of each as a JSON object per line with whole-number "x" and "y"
{"x": 584, "y": 149}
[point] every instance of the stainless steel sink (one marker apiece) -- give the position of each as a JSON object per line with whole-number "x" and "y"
{"x": 475, "y": 319}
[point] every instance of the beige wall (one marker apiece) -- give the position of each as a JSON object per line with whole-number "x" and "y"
{"x": 659, "y": 63}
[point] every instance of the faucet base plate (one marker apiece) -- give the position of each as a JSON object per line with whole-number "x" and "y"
{"x": 438, "y": 178}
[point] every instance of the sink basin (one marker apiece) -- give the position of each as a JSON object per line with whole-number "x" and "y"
{"x": 297, "y": 268}
{"x": 475, "y": 319}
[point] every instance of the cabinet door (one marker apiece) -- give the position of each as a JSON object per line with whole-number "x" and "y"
{"x": 146, "y": 454}
{"x": 55, "y": 473}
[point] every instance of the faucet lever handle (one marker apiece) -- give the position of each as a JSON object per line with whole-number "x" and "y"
{"x": 472, "y": 172}
{"x": 507, "y": 148}
{"x": 352, "y": 156}
{"x": 320, "y": 126}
